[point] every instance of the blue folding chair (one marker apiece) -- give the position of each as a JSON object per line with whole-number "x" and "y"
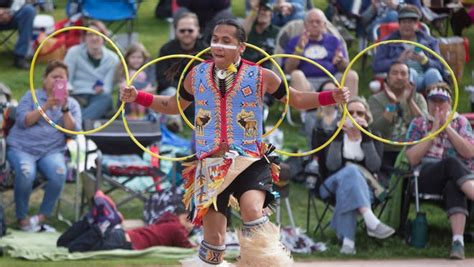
{"x": 119, "y": 12}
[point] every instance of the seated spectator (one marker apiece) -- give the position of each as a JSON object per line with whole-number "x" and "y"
{"x": 187, "y": 41}
{"x": 261, "y": 32}
{"x": 209, "y": 13}
{"x": 425, "y": 69}
{"x": 171, "y": 229}
{"x": 446, "y": 161}
{"x": 382, "y": 11}
{"x": 18, "y": 15}
{"x": 168, "y": 72}
{"x": 135, "y": 57}
{"x": 91, "y": 66}
{"x": 379, "y": 11}
{"x": 394, "y": 108}
{"x": 285, "y": 11}
{"x": 33, "y": 143}
{"x": 322, "y": 47}
{"x": 350, "y": 159}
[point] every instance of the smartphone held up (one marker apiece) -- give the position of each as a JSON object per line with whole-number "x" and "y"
{"x": 60, "y": 91}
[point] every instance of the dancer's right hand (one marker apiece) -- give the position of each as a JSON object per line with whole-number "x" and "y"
{"x": 128, "y": 94}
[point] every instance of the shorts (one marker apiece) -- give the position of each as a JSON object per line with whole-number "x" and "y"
{"x": 257, "y": 176}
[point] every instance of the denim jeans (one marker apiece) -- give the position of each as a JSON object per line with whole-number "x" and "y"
{"x": 352, "y": 192}
{"x": 95, "y": 106}
{"x": 52, "y": 166}
{"x": 23, "y": 21}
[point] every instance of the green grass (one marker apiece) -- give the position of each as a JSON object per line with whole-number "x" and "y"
{"x": 154, "y": 33}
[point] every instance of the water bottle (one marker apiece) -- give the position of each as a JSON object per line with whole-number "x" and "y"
{"x": 419, "y": 231}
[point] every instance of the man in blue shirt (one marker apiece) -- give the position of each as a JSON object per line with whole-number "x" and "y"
{"x": 425, "y": 69}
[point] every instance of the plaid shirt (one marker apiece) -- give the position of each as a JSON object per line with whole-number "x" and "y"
{"x": 442, "y": 147}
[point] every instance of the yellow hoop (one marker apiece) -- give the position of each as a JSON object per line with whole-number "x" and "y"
{"x": 125, "y": 124}
{"x": 259, "y": 50}
{"x": 339, "y": 128}
{"x": 181, "y": 77}
{"x": 429, "y": 136}
{"x": 32, "y": 86}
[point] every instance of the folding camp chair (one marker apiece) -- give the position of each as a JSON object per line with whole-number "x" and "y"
{"x": 118, "y": 156}
{"x": 115, "y": 13}
{"x": 6, "y": 38}
{"x": 411, "y": 193}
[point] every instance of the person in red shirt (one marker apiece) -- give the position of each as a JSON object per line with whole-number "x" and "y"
{"x": 171, "y": 229}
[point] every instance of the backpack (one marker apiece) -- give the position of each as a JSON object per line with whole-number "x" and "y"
{"x": 167, "y": 200}
{"x": 104, "y": 209}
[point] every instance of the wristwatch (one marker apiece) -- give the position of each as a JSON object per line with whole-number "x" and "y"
{"x": 64, "y": 110}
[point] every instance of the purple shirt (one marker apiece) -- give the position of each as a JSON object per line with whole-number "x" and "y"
{"x": 321, "y": 51}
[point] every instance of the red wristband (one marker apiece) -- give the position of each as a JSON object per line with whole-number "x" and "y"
{"x": 144, "y": 98}
{"x": 326, "y": 99}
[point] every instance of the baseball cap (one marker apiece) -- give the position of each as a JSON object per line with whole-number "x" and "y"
{"x": 409, "y": 12}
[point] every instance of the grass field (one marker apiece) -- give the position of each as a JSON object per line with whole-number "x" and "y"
{"x": 154, "y": 33}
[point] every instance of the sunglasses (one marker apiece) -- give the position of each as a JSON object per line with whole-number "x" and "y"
{"x": 359, "y": 113}
{"x": 186, "y": 30}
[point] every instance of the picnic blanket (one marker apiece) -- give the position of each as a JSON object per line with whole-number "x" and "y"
{"x": 42, "y": 247}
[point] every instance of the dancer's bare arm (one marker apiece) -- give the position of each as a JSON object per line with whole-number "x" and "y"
{"x": 162, "y": 104}
{"x": 299, "y": 99}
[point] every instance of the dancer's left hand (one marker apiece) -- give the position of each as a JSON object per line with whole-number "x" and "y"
{"x": 341, "y": 96}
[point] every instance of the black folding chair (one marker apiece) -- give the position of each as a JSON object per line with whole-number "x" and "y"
{"x": 6, "y": 37}
{"x": 114, "y": 141}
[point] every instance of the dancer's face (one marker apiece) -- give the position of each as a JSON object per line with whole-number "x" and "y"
{"x": 225, "y": 47}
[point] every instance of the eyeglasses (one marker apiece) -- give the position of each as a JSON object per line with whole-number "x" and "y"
{"x": 359, "y": 113}
{"x": 182, "y": 31}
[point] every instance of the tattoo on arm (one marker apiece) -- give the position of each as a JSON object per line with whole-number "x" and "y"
{"x": 164, "y": 103}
